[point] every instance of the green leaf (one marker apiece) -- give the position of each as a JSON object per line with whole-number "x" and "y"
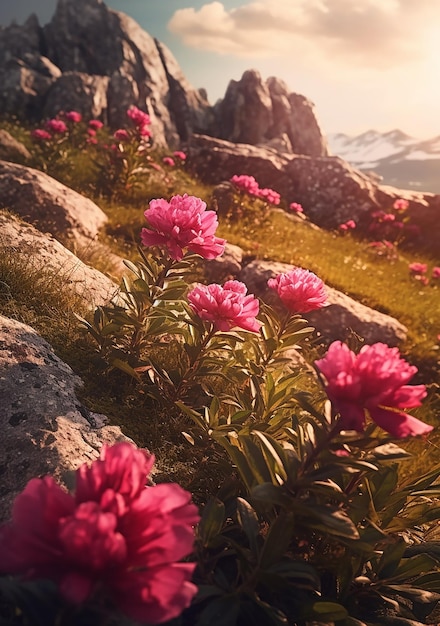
{"x": 212, "y": 521}
{"x": 329, "y": 611}
{"x": 248, "y": 520}
{"x": 125, "y": 367}
{"x": 277, "y": 540}
{"x": 413, "y": 566}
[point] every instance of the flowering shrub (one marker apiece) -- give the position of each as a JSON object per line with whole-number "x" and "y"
{"x": 348, "y": 225}
{"x": 296, "y": 208}
{"x": 113, "y": 538}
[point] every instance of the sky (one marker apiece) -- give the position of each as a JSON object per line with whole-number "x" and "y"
{"x": 365, "y": 64}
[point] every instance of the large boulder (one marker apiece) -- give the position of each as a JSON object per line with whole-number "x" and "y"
{"x": 329, "y": 189}
{"x": 11, "y": 149}
{"x": 337, "y": 321}
{"x": 49, "y": 205}
{"x": 42, "y": 253}
{"x": 257, "y": 112}
{"x": 45, "y": 428}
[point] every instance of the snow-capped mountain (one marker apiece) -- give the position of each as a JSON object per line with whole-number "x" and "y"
{"x": 401, "y": 160}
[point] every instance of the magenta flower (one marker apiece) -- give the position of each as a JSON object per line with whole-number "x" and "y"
{"x": 270, "y": 195}
{"x": 138, "y": 117}
{"x": 56, "y": 126}
{"x": 246, "y": 183}
{"x": 73, "y": 116}
{"x": 299, "y": 290}
{"x": 372, "y": 383}
{"x": 295, "y": 207}
{"x": 180, "y": 155}
{"x": 39, "y": 134}
{"x": 348, "y": 225}
{"x": 418, "y": 268}
{"x": 226, "y": 307}
{"x": 400, "y": 204}
{"x": 95, "y": 124}
{"x": 114, "y": 534}
{"x": 168, "y": 161}
{"x": 121, "y": 135}
{"x": 183, "y": 223}
{"x": 436, "y": 272}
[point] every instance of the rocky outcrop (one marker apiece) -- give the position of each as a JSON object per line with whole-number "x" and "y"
{"x": 49, "y": 205}
{"x": 45, "y": 428}
{"x": 42, "y": 253}
{"x": 338, "y": 321}
{"x": 329, "y": 189}
{"x": 257, "y": 112}
{"x": 11, "y": 149}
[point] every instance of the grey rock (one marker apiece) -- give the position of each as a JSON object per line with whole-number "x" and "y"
{"x": 49, "y": 205}
{"x": 225, "y": 267}
{"x": 41, "y": 252}
{"x": 338, "y": 321}
{"x": 11, "y": 149}
{"x": 45, "y": 429}
{"x": 80, "y": 92}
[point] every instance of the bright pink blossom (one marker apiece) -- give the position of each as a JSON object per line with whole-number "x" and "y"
{"x": 138, "y": 117}
{"x": 436, "y": 272}
{"x": 300, "y": 290}
{"x": 270, "y": 195}
{"x": 39, "y": 134}
{"x": 388, "y": 217}
{"x": 73, "y": 116}
{"x": 91, "y": 132}
{"x": 372, "y": 383}
{"x": 114, "y": 534}
{"x": 182, "y": 223}
{"x": 168, "y": 161}
{"x": 400, "y": 204}
{"x": 180, "y": 155}
{"x": 295, "y": 207}
{"x": 96, "y": 124}
{"x": 418, "y": 268}
{"x": 121, "y": 135}
{"x": 56, "y": 126}
{"x": 348, "y": 225}
{"x": 246, "y": 183}
{"x": 226, "y": 307}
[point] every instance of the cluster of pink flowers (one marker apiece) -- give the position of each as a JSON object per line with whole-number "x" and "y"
{"x": 182, "y": 224}
{"x": 180, "y": 155}
{"x": 168, "y": 161}
{"x": 226, "y": 307}
{"x": 250, "y": 186}
{"x": 39, "y": 134}
{"x": 56, "y": 126}
{"x": 113, "y": 534}
{"x": 296, "y": 208}
{"x": 141, "y": 121}
{"x": 300, "y": 290}
{"x": 73, "y": 116}
{"x": 384, "y": 248}
{"x": 419, "y": 270}
{"x": 400, "y": 204}
{"x": 121, "y": 135}
{"x": 348, "y": 225}
{"x": 373, "y": 384}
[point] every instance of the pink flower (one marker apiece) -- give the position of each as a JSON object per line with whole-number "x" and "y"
{"x": 372, "y": 383}
{"x": 73, "y": 116}
{"x": 138, "y": 117}
{"x": 39, "y": 134}
{"x": 168, "y": 161}
{"x": 144, "y": 131}
{"x": 183, "y": 223}
{"x": 270, "y": 195}
{"x": 96, "y": 124}
{"x": 246, "y": 183}
{"x": 297, "y": 208}
{"x": 418, "y": 268}
{"x": 388, "y": 217}
{"x": 180, "y": 155}
{"x": 56, "y": 126}
{"x": 91, "y": 132}
{"x": 351, "y": 224}
{"x": 436, "y": 272}
{"x": 114, "y": 534}
{"x": 400, "y": 204}
{"x": 121, "y": 135}
{"x": 226, "y": 307}
{"x": 299, "y": 290}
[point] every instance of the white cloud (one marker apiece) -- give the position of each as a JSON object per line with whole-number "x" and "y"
{"x": 371, "y": 33}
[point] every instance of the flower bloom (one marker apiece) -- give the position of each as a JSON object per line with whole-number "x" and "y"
{"x": 180, "y": 155}
{"x": 418, "y": 268}
{"x": 372, "y": 383}
{"x": 168, "y": 161}
{"x": 400, "y": 204}
{"x": 73, "y": 116}
{"x": 39, "y": 134}
{"x": 91, "y": 132}
{"x": 436, "y": 272}
{"x": 270, "y": 195}
{"x": 183, "y": 223}
{"x": 138, "y": 117}
{"x": 296, "y": 207}
{"x": 348, "y": 225}
{"x": 121, "y": 135}
{"x": 114, "y": 534}
{"x": 246, "y": 183}
{"x": 226, "y": 307}
{"x": 96, "y": 124}
{"x": 300, "y": 290}
{"x": 56, "y": 126}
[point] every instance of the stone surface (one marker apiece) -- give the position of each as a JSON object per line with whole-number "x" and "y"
{"x": 41, "y": 252}
{"x": 329, "y": 189}
{"x": 49, "y": 205}
{"x": 84, "y": 93}
{"x": 11, "y": 149}
{"x": 45, "y": 429}
{"x": 225, "y": 267}
{"x": 338, "y": 321}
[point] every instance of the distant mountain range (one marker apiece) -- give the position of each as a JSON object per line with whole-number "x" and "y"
{"x": 401, "y": 160}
